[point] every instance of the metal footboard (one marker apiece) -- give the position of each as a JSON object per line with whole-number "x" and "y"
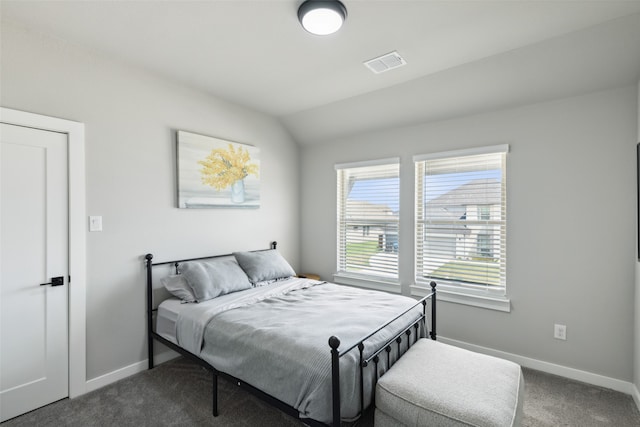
{"x": 336, "y": 353}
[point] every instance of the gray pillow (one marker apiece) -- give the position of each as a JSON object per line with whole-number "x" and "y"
{"x": 212, "y": 278}
{"x": 264, "y": 265}
{"x": 178, "y": 287}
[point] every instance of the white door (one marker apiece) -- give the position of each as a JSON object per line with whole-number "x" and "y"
{"x": 33, "y": 250}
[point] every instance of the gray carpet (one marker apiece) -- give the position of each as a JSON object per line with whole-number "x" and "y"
{"x": 178, "y": 393}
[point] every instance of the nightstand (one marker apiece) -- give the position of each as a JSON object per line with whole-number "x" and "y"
{"x": 309, "y": 276}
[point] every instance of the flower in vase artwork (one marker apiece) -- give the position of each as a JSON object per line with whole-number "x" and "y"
{"x": 213, "y": 172}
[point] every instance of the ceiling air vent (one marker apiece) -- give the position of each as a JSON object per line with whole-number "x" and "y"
{"x": 385, "y": 62}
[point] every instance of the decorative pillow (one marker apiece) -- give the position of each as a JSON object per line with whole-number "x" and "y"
{"x": 212, "y": 278}
{"x": 178, "y": 287}
{"x": 264, "y": 265}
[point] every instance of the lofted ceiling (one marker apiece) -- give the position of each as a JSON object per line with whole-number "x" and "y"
{"x": 463, "y": 57}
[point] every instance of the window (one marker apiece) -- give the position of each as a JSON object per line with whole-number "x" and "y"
{"x": 484, "y": 212}
{"x": 484, "y": 246}
{"x": 460, "y": 221}
{"x": 368, "y": 196}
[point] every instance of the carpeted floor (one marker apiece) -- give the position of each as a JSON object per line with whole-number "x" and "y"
{"x": 552, "y": 401}
{"x": 178, "y": 393}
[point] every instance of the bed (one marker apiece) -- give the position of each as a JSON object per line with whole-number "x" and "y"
{"x": 312, "y": 349}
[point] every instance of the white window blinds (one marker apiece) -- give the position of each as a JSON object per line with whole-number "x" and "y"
{"x": 461, "y": 219}
{"x": 368, "y": 206}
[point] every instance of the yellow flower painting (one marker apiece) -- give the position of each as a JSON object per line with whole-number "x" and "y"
{"x": 223, "y": 167}
{"x": 213, "y": 172}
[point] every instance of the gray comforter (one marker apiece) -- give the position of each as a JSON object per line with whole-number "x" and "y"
{"x": 276, "y": 339}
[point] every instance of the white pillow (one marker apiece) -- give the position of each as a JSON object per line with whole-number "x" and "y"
{"x": 211, "y": 278}
{"x": 264, "y": 265}
{"x": 178, "y": 287}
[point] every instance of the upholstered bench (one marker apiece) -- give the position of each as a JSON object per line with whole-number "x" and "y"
{"x": 436, "y": 384}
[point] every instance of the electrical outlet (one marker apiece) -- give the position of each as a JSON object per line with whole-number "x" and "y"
{"x": 560, "y": 332}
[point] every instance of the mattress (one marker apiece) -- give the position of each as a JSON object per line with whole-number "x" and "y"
{"x": 168, "y": 312}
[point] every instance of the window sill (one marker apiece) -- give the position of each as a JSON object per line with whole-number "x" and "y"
{"x": 451, "y": 294}
{"x": 377, "y": 284}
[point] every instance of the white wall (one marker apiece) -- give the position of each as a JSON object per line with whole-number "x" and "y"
{"x": 571, "y": 203}
{"x": 571, "y": 177}
{"x": 131, "y": 117}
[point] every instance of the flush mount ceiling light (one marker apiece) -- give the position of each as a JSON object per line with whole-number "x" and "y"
{"x": 322, "y": 17}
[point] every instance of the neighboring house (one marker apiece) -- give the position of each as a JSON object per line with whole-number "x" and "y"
{"x": 372, "y": 236}
{"x": 460, "y": 230}
{"x": 460, "y": 224}
{"x": 370, "y": 222}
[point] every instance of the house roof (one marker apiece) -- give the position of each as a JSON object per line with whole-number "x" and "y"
{"x": 454, "y": 205}
{"x": 477, "y": 192}
{"x": 370, "y": 211}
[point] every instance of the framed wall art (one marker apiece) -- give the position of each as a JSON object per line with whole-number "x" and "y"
{"x": 215, "y": 173}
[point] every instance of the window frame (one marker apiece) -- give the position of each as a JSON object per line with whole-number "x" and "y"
{"x": 364, "y": 280}
{"x": 491, "y": 297}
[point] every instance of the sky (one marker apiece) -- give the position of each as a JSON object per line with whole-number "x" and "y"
{"x": 436, "y": 185}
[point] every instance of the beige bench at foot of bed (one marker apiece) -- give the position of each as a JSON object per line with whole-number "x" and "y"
{"x": 436, "y": 384}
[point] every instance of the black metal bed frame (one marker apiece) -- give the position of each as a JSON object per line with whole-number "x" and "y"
{"x": 334, "y": 344}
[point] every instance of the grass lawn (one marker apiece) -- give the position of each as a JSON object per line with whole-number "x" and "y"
{"x": 358, "y": 254}
{"x": 470, "y": 271}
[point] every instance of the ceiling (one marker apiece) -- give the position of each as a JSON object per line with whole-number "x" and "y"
{"x": 463, "y": 57}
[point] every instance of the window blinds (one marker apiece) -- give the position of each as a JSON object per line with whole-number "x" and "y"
{"x": 368, "y": 205}
{"x": 460, "y": 220}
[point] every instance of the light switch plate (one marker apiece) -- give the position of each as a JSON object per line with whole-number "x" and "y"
{"x": 95, "y": 223}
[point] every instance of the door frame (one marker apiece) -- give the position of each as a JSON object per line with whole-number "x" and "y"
{"x": 77, "y": 235}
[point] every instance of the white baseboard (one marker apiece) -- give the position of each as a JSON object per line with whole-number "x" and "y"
{"x": 552, "y": 368}
{"x": 122, "y": 373}
{"x": 636, "y": 395}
